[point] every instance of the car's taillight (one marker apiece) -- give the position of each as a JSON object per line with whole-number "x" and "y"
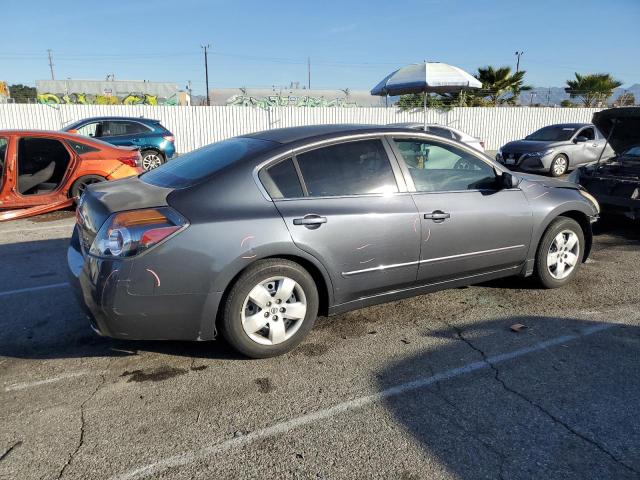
{"x": 130, "y": 233}
{"x": 133, "y": 159}
{"x": 169, "y": 138}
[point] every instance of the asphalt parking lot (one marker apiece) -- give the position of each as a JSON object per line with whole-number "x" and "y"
{"x": 437, "y": 386}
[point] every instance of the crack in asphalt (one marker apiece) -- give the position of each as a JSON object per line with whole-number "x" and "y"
{"x": 82, "y": 427}
{"x": 544, "y": 411}
{"x": 6, "y": 453}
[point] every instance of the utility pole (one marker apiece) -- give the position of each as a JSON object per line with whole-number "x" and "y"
{"x": 518, "y": 54}
{"x": 206, "y": 70}
{"x": 308, "y": 73}
{"x": 53, "y": 77}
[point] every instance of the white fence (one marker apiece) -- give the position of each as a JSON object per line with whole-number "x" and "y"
{"x": 197, "y": 126}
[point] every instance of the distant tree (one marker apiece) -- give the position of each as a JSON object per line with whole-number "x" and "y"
{"x": 499, "y": 85}
{"x": 627, "y": 99}
{"x": 592, "y": 89}
{"x": 567, "y": 103}
{"x": 416, "y": 100}
{"x": 22, "y": 93}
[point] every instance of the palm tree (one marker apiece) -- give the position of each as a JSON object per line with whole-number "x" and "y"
{"x": 593, "y": 89}
{"x": 498, "y": 82}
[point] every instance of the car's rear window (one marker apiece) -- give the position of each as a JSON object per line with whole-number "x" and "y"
{"x": 195, "y": 166}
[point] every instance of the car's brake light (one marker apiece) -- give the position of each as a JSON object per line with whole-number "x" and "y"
{"x": 133, "y": 159}
{"x": 169, "y": 138}
{"x": 126, "y": 234}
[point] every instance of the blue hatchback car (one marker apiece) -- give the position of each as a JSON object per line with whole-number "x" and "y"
{"x": 156, "y": 143}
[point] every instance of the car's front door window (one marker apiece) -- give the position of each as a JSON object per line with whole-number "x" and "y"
{"x": 587, "y": 133}
{"x": 90, "y": 130}
{"x": 436, "y": 167}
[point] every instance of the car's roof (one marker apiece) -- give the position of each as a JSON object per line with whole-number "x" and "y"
{"x": 310, "y": 132}
{"x": 59, "y": 134}
{"x": 56, "y": 133}
{"x": 115, "y": 117}
{"x": 570, "y": 125}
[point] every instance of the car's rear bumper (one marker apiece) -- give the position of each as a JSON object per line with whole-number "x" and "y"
{"x": 102, "y": 289}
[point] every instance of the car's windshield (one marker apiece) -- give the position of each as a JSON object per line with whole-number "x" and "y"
{"x": 632, "y": 152}
{"x": 552, "y": 133}
{"x": 197, "y": 165}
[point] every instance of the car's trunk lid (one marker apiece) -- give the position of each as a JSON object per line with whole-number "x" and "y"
{"x": 100, "y": 200}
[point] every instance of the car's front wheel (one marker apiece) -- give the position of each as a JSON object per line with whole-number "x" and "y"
{"x": 559, "y": 166}
{"x": 270, "y": 309}
{"x": 559, "y": 253}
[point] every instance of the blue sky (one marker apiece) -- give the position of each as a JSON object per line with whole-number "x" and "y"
{"x": 351, "y": 43}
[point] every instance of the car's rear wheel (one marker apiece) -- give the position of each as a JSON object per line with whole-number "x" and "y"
{"x": 270, "y": 309}
{"x": 79, "y": 186}
{"x": 559, "y": 253}
{"x": 151, "y": 159}
{"x": 559, "y": 166}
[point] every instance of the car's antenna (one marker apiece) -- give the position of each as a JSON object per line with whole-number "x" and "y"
{"x": 614, "y": 122}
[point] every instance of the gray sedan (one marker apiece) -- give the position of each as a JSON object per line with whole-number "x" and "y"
{"x": 255, "y": 236}
{"x": 555, "y": 149}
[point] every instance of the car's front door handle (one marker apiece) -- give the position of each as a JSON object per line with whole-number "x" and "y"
{"x": 438, "y": 216}
{"x": 310, "y": 221}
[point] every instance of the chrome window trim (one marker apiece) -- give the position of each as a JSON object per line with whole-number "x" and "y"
{"x": 430, "y": 260}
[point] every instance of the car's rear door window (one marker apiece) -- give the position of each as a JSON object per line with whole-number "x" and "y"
{"x": 439, "y": 167}
{"x": 352, "y": 168}
{"x": 282, "y": 180}
{"x": 111, "y": 128}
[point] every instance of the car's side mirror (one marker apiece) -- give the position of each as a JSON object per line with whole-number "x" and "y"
{"x": 580, "y": 139}
{"x": 73, "y": 130}
{"x": 507, "y": 180}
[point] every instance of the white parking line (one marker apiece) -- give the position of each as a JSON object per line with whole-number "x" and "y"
{"x": 7, "y": 293}
{"x": 22, "y": 386}
{"x": 37, "y": 229}
{"x": 357, "y": 403}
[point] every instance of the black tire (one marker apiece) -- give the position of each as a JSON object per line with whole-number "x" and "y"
{"x": 542, "y": 271}
{"x": 559, "y": 165}
{"x": 151, "y": 159}
{"x": 80, "y": 184}
{"x": 262, "y": 270}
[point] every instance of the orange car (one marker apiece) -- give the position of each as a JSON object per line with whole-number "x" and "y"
{"x": 43, "y": 171}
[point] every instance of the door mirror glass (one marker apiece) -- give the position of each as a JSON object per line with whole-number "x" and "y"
{"x": 580, "y": 139}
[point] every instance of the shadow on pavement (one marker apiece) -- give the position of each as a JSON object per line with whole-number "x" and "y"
{"x": 566, "y": 410}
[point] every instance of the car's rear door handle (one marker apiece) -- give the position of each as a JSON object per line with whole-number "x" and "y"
{"x": 310, "y": 221}
{"x": 438, "y": 216}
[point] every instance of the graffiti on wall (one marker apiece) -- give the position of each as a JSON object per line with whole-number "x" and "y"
{"x": 244, "y": 100}
{"x": 106, "y": 99}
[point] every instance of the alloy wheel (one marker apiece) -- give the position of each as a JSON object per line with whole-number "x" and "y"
{"x": 274, "y": 310}
{"x": 563, "y": 254}
{"x": 559, "y": 165}
{"x": 151, "y": 161}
